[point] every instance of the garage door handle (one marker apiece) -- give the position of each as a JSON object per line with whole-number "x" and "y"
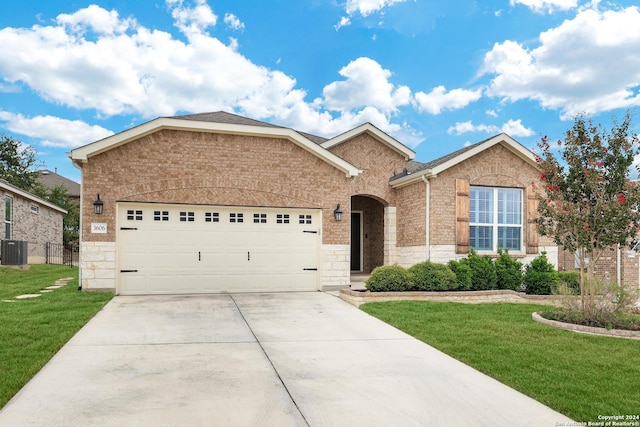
{"x": 310, "y": 269}
{"x": 128, "y": 228}
{"x": 128, "y": 271}
{"x": 310, "y": 231}
{"x": 248, "y": 256}
{"x": 199, "y": 256}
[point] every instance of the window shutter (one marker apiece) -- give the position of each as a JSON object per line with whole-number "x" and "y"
{"x": 532, "y": 213}
{"x": 462, "y": 216}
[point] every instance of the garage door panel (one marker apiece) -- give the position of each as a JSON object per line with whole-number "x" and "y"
{"x": 198, "y": 249}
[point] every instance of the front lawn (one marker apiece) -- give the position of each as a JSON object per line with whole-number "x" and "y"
{"x": 33, "y": 330}
{"x": 579, "y": 375}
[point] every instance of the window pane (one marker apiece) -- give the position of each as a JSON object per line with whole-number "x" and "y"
{"x": 509, "y": 238}
{"x": 481, "y": 205}
{"x": 481, "y": 238}
{"x": 509, "y": 206}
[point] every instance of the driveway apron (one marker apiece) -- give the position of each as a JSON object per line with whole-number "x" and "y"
{"x": 281, "y": 359}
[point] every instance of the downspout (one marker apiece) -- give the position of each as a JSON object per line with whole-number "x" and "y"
{"x": 427, "y": 237}
{"x": 619, "y": 266}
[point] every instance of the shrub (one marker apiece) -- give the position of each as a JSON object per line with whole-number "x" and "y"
{"x": 508, "y": 271}
{"x": 570, "y": 280}
{"x": 463, "y": 275}
{"x": 540, "y": 276}
{"x": 483, "y": 271}
{"x": 389, "y": 278}
{"x": 430, "y": 276}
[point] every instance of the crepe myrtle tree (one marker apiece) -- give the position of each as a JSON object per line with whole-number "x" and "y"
{"x": 588, "y": 202}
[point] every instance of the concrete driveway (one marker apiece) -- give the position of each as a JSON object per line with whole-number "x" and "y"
{"x": 288, "y": 359}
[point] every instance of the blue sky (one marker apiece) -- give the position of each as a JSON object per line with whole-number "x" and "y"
{"x": 435, "y": 74}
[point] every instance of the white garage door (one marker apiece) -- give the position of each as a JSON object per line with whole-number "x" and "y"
{"x": 165, "y": 249}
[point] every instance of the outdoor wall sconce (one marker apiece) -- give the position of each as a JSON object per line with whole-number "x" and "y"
{"x": 97, "y": 206}
{"x": 337, "y": 214}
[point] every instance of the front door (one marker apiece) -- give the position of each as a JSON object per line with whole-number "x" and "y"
{"x": 356, "y": 241}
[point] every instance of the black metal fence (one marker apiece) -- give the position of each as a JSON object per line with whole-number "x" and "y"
{"x": 62, "y": 254}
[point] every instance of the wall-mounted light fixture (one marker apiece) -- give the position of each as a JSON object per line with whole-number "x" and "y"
{"x": 337, "y": 213}
{"x": 97, "y": 206}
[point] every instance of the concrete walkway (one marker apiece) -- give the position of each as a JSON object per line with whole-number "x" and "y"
{"x": 289, "y": 359}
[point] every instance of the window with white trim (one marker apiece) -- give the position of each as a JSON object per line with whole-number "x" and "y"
{"x": 7, "y": 217}
{"x": 495, "y": 218}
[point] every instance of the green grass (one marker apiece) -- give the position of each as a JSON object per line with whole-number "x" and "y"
{"x": 581, "y": 376}
{"x": 33, "y": 330}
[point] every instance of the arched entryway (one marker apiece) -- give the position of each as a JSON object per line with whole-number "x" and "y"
{"x": 367, "y": 234}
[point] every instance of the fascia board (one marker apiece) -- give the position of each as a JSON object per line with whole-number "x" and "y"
{"x": 408, "y": 153}
{"x": 82, "y": 154}
{"x": 412, "y": 178}
{"x": 504, "y": 139}
{"x": 15, "y": 190}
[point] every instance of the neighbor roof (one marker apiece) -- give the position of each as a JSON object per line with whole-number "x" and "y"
{"x": 51, "y": 179}
{"x": 25, "y": 194}
{"x": 415, "y": 171}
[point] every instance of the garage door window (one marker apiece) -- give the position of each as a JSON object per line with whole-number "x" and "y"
{"x": 282, "y": 218}
{"x": 161, "y": 215}
{"x": 236, "y": 217}
{"x": 211, "y": 217}
{"x": 187, "y": 216}
{"x": 260, "y": 218}
{"x": 304, "y": 219}
{"x": 133, "y": 215}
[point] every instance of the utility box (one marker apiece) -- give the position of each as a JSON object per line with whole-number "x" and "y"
{"x": 13, "y": 252}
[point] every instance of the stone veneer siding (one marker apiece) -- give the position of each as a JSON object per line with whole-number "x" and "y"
{"x": 35, "y": 228}
{"x": 171, "y": 166}
{"x": 336, "y": 260}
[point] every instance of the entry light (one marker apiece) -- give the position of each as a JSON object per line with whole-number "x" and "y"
{"x": 97, "y": 206}
{"x": 337, "y": 214}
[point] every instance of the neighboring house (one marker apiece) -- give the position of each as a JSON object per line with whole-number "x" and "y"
{"x": 30, "y": 218}
{"x": 51, "y": 180}
{"x": 216, "y": 202}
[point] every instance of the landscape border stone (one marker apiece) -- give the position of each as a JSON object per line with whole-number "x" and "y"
{"x": 469, "y": 297}
{"x": 591, "y": 330}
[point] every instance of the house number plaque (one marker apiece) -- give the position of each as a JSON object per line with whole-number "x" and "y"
{"x": 98, "y": 228}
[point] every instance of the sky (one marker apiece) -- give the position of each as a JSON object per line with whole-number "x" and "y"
{"x": 437, "y": 75}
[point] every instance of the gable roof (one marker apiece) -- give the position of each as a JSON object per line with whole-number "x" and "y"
{"x": 218, "y": 122}
{"x": 52, "y": 179}
{"x": 10, "y": 188}
{"x": 387, "y": 140}
{"x": 415, "y": 171}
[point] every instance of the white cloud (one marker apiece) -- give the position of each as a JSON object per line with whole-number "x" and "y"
{"x": 366, "y": 84}
{"x": 344, "y": 21}
{"x": 97, "y": 19}
{"x": 233, "y": 22}
{"x": 439, "y": 99}
{"x": 585, "y": 65}
{"x": 514, "y": 128}
{"x": 54, "y": 131}
{"x": 124, "y": 68}
{"x": 364, "y": 8}
{"x": 367, "y": 7}
{"x": 550, "y": 6}
{"x": 192, "y": 21}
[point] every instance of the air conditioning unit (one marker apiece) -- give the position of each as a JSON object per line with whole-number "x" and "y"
{"x": 13, "y": 252}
